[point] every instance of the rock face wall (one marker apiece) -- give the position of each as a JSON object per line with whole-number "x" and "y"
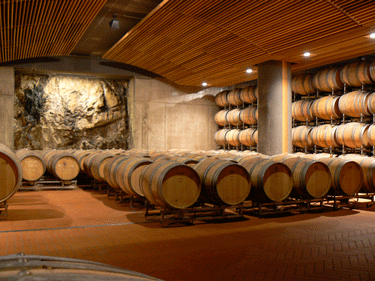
{"x": 57, "y": 111}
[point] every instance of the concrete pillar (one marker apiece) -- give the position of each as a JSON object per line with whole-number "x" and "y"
{"x": 7, "y": 106}
{"x": 274, "y": 108}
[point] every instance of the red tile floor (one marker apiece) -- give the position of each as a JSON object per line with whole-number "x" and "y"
{"x": 86, "y": 224}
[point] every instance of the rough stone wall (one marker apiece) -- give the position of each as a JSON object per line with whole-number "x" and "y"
{"x": 57, "y": 111}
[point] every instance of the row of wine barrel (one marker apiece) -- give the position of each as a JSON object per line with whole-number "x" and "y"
{"x": 353, "y": 135}
{"x": 236, "y": 117}
{"x": 353, "y": 104}
{"x": 62, "y": 164}
{"x": 170, "y": 179}
{"x": 354, "y": 74}
{"x": 248, "y": 94}
{"x": 236, "y": 137}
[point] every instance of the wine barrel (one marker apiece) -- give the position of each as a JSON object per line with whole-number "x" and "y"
{"x": 129, "y": 183}
{"x": 352, "y": 134}
{"x": 81, "y": 155}
{"x": 354, "y": 104}
{"x": 246, "y": 137}
{"x": 85, "y": 167}
{"x": 233, "y": 138}
{"x": 221, "y": 118}
{"x": 303, "y": 84}
{"x": 367, "y": 165}
{"x": 10, "y": 173}
{"x": 223, "y": 182}
{"x": 371, "y": 135}
{"x": 62, "y": 165}
{"x": 220, "y": 138}
{"x": 256, "y": 136}
{"x": 301, "y": 136}
{"x": 110, "y": 169}
{"x": 301, "y": 110}
{"x": 324, "y": 136}
{"x": 347, "y": 176}
{"x": 233, "y": 117}
{"x": 221, "y": 99}
{"x": 328, "y": 80}
{"x": 371, "y": 103}
{"x": 356, "y": 73}
{"x": 170, "y": 184}
{"x": 311, "y": 179}
{"x": 249, "y": 94}
{"x": 97, "y": 165}
{"x": 234, "y": 97}
{"x": 270, "y": 180}
{"x": 243, "y": 158}
{"x": 326, "y": 108}
{"x": 249, "y": 115}
{"x": 32, "y": 163}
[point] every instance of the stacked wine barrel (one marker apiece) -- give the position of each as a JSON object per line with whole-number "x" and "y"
{"x": 340, "y": 116}
{"x": 237, "y": 118}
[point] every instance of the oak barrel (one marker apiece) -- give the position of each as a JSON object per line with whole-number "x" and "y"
{"x": 303, "y": 84}
{"x": 171, "y": 184}
{"x": 371, "y": 134}
{"x": 367, "y": 165}
{"x": 62, "y": 165}
{"x": 371, "y": 103}
{"x": 111, "y": 169}
{"x": 233, "y": 117}
{"x": 233, "y": 137}
{"x": 324, "y": 136}
{"x": 221, "y": 118}
{"x": 249, "y": 94}
{"x": 32, "y": 163}
{"x": 234, "y": 97}
{"x": 328, "y": 80}
{"x": 311, "y": 179}
{"x": 97, "y": 165}
{"x": 301, "y": 110}
{"x": 326, "y": 108}
{"x": 249, "y": 115}
{"x": 270, "y": 180}
{"x": 10, "y": 173}
{"x": 354, "y": 104}
{"x": 301, "y": 136}
{"x": 221, "y": 99}
{"x": 352, "y": 134}
{"x": 220, "y": 138}
{"x": 247, "y": 138}
{"x": 130, "y": 183}
{"x": 356, "y": 73}
{"x": 223, "y": 182}
{"x": 347, "y": 176}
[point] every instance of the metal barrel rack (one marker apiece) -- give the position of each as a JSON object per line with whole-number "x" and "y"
{"x": 168, "y": 216}
{"x": 286, "y": 206}
{"x": 352, "y": 201}
{"x": 48, "y": 183}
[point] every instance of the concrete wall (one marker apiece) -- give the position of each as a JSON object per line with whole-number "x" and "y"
{"x": 6, "y": 105}
{"x": 163, "y": 117}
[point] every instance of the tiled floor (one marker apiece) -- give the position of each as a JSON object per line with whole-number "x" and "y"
{"x": 86, "y": 224}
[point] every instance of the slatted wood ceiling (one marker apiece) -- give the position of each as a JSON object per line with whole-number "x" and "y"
{"x": 38, "y": 28}
{"x": 190, "y": 41}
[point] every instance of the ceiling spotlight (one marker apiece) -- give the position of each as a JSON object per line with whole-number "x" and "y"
{"x": 114, "y": 23}
{"x": 204, "y": 84}
{"x": 249, "y": 70}
{"x": 372, "y": 35}
{"x": 306, "y": 54}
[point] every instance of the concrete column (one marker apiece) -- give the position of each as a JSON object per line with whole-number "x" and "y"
{"x": 7, "y": 106}
{"x": 274, "y": 108}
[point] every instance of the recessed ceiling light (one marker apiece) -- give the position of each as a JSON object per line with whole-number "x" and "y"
{"x": 249, "y": 70}
{"x": 306, "y": 54}
{"x": 204, "y": 84}
{"x": 372, "y": 35}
